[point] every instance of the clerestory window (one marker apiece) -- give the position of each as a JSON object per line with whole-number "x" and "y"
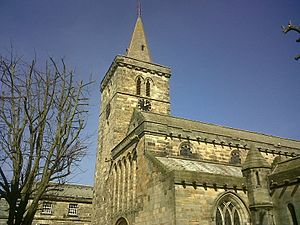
{"x": 186, "y": 149}
{"x": 235, "y": 157}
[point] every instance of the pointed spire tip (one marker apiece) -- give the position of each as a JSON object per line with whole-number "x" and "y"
{"x": 138, "y": 47}
{"x": 139, "y": 8}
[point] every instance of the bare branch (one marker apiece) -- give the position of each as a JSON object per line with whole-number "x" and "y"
{"x": 291, "y": 27}
{"x": 42, "y": 115}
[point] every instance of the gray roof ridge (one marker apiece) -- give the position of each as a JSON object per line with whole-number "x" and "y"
{"x": 77, "y": 185}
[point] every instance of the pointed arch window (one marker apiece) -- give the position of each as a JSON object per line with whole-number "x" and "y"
{"x": 148, "y": 87}
{"x": 227, "y": 214}
{"x": 230, "y": 210}
{"x": 138, "y": 86}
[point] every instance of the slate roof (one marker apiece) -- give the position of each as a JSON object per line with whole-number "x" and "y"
{"x": 198, "y": 166}
{"x": 286, "y": 172}
{"x": 72, "y": 191}
{"x": 199, "y": 173}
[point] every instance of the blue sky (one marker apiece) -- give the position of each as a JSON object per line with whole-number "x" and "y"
{"x": 231, "y": 63}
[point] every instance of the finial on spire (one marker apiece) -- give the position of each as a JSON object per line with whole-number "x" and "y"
{"x": 138, "y": 47}
{"x": 139, "y": 8}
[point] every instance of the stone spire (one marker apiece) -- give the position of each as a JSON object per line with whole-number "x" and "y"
{"x": 254, "y": 159}
{"x": 138, "y": 47}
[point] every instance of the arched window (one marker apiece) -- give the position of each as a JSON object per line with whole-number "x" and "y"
{"x": 293, "y": 213}
{"x": 186, "y": 149}
{"x": 121, "y": 221}
{"x": 138, "y": 86}
{"x": 235, "y": 157}
{"x": 227, "y": 214}
{"x": 230, "y": 210}
{"x": 148, "y": 88}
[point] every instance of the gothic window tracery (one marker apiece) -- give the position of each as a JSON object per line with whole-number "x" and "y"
{"x": 230, "y": 210}
{"x": 227, "y": 214}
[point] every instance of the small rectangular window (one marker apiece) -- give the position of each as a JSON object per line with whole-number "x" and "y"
{"x": 72, "y": 210}
{"x": 47, "y": 208}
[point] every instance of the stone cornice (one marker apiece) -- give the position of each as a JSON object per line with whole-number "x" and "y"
{"x": 216, "y": 139}
{"x": 182, "y": 129}
{"x": 207, "y": 180}
{"x": 279, "y": 183}
{"x": 153, "y": 128}
{"x": 123, "y": 61}
{"x": 193, "y": 127}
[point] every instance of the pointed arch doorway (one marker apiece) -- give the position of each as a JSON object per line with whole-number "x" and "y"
{"x": 122, "y": 221}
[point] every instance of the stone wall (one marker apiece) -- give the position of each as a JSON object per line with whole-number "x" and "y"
{"x": 118, "y": 102}
{"x": 197, "y": 206}
{"x": 141, "y": 193}
{"x": 155, "y": 193}
{"x": 162, "y": 145}
{"x": 59, "y": 213}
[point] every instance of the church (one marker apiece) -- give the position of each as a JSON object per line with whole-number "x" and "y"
{"x": 156, "y": 169}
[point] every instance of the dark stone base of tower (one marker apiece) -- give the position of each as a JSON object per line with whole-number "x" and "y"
{"x": 156, "y": 169}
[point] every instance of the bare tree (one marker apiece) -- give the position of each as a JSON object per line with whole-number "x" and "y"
{"x": 292, "y": 27}
{"x": 42, "y": 115}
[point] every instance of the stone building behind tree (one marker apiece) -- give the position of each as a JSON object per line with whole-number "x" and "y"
{"x": 156, "y": 169}
{"x": 68, "y": 204}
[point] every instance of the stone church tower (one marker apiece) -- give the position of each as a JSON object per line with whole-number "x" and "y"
{"x": 156, "y": 169}
{"x": 133, "y": 82}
